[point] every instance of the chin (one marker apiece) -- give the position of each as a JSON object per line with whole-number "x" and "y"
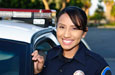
{"x": 67, "y": 48}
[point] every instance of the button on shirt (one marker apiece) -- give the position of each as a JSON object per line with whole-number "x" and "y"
{"x": 84, "y": 62}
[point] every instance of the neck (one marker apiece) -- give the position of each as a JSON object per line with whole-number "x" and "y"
{"x": 70, "y": 53}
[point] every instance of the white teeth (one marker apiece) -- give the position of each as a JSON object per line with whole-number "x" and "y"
{"x": 66, "y": 41}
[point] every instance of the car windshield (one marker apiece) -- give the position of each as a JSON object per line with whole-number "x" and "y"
{"x": 11, "y": 55}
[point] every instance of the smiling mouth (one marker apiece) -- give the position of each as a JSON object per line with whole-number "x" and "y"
{"x": 67, "y": 42}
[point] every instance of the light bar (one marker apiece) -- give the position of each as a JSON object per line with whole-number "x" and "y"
{"x": 25, "y": 13}
{"x": 5, "y": 14}
{"x": 42, "y": 15}
{"x": 22, "y": 14}
{"x": 39, "y": 17}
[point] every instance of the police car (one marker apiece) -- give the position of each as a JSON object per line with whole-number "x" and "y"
{"x": 18, "y": 41}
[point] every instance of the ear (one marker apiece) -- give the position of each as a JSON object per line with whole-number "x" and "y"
{"x": 84, "y": 33}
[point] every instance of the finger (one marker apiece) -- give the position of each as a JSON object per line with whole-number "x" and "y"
{"x": 38, "y": 65}
{"x": 35, "y": 52}
{"x": 39, "y": 59}
{"x": 35, "y": 65}
{"x": 36, "y": 57}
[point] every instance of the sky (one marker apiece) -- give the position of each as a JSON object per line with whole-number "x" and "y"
{"x": 94, "y": 6}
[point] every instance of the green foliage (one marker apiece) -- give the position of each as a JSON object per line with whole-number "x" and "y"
{"x": 99, "y": 14}
{"x": 38, "y": 4}
{"x": 75, "y": 3}
{"x": 113, "y": 11}
{"x": 86, "y": 3}
{"x": 108, "y": 1}
{"x": 27, "y": 4}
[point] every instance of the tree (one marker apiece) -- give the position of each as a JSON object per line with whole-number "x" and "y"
{"x": 55, "y": 4}
{"x": 113, "y": 12}
{"x": 86, "y": 5}
{"x": 58, "y": 3}
{"x": 75, "y": 3}
{"x": 109, "y": 4}
{"x": 98, "y": 15}
{"x": 46, "y": 4}
{"x": 61, "y": 4}
{"x": 26, "y": 4}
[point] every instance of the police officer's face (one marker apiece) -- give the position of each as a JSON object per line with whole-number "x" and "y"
{"x": 67, "y": 33}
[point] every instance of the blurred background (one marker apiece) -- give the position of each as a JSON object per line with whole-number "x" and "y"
{"x": 99, "y": 12}
{"x": 101, "y": 21}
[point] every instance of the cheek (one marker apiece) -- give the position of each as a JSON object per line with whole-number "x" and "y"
{"x": 58, "y": 37}
{"x": 77, "y": 35}
{"x": 59, "y": 33}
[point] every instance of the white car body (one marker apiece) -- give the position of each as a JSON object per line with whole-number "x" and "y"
{"x": 18, "y": 31}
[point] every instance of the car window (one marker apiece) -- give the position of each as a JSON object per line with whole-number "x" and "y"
{"x": 44, "y": 46}
{"x": 11, "y": 56}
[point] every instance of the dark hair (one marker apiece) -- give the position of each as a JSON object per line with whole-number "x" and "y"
{"x": 77, "y": 15}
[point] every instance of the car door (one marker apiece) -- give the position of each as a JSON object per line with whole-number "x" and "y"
{"x": 44, "y": 40}
{"x": 44, "y": 45}
{"x": 14, "y": 57}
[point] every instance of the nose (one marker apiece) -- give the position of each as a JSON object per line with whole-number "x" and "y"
{"x": 67, "y": 33}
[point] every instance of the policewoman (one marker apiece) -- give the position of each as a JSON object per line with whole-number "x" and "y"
{"x": 71, "y": 57}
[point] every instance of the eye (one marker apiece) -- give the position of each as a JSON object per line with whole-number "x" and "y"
{"x": 62, "y": 27}
{"x": 75, "y": 28}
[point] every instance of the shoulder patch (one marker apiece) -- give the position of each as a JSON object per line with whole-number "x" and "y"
{"x": 106, "y": 71}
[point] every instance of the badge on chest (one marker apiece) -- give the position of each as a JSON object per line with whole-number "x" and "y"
{"x": 78, "y": 72}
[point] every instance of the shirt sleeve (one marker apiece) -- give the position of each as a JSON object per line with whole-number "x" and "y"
{"x": 105, "y": 71}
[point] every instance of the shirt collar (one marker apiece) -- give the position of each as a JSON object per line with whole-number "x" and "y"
{"x": 79, "y": 56}
{"x": 57, "y": 52}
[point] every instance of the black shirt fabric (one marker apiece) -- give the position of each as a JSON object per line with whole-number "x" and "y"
{"x": 85, "y": 62}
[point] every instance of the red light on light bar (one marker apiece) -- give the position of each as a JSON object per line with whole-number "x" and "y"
{"x": 46, "y": 11}
{"x": 26, "y": 10}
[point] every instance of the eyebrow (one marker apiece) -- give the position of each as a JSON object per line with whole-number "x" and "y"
{"x": 61, "y": 24}
{"x": 64, "y": 24}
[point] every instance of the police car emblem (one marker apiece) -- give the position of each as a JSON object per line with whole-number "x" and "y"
{"x": 79, "y": 72}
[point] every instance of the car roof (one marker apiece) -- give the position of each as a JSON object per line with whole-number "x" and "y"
{"x": 17, "y": 31}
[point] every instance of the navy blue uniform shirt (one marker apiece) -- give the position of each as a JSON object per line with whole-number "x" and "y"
{"x": 84, "y": 62}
